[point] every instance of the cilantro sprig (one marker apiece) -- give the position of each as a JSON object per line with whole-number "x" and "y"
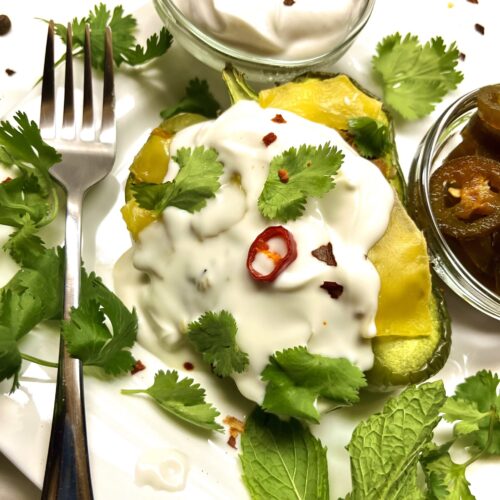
{"x": 214, "y": 337}
{"x": 296, "y": 379}
{"x": 197, "y": 99}
{"x": 196, "y": 182}
{"x": 415, "y": 77}
{"x": 181, "y": 398}
{"x": 309, "y": 172}
{"x": 371, "y": 138}
{"x": 126, "y": 50}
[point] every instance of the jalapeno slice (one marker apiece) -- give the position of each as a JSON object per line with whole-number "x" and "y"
{"x": 279, "y": 259}
{"x": 465, "y": 196}
{"x": 488, "y": 106}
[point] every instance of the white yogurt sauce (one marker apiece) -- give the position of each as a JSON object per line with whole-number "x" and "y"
{"x": 306, "y": 29}
{"x": 197, "y": 262}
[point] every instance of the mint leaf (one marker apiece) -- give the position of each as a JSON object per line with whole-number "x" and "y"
{"x": 196, "y": 182}
{"x": 475, "y": 403}
{"x": 385, "y": 448}
{"x": 197, "y": 99}
{"x": 445, "y": 479}
{"x": 414, "y": 77}
{"x": 32, "y": 192}
{"x": 89, "y": 338}
{"x": 182, "y": 398}
{"x": 125, "y": 47}
{"x": 309, "y": 171}
{"x": 371, "y": 138}
{"x": 214, "y": 337}
{"x": 282, "y": 460}
{"x": 296, "y": 379}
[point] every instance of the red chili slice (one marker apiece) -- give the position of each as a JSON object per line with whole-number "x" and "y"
{"x": 281, "y": 262}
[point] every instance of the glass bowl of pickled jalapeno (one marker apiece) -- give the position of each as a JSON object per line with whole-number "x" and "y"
{"x": 454, "y": 195}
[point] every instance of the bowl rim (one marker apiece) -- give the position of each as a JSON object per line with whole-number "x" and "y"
{"x": 169, "y": 9}
{"x": 450, "y": 268}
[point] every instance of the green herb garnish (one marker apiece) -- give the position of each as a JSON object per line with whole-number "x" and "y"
{"x": 414, "y": 77}
{"x": 371, "y": 137}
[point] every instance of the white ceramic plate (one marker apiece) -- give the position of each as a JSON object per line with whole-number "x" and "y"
{"x": 121, "y": 429}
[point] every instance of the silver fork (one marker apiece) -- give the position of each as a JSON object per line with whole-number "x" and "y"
{"x": 86, "y": 159}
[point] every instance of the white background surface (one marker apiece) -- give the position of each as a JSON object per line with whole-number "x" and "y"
{"x": 120, "y": 428}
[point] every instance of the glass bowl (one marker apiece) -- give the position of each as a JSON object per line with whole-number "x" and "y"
{"x": 217, "y": 54}
{"x": 439, "y": 141}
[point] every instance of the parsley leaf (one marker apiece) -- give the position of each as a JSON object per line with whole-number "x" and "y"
{"x": 197, "y": 99}
{"x": 32, "y": 192}
{"x": 309, "y": 170}
{"x": 297, "y": 378}
{"x": 196, "y": 181}
{"x": 89, "y": 338}
{"x": 414, "y": 77}
{"x": 214, "y": 337}
{"x": 371, "y": 138}
{"x": 476, "y": 407}
{"x": 445, "y": 479}
{"x": 385, "y": 448}
{"x": 282, "y": 460}
{"x": 125, "y": 47}
{"x": 182, "y": 398}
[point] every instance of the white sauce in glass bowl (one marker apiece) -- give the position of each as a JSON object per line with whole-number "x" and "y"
{"x": 197, "y": 262}
{"x": 306, "y": 29}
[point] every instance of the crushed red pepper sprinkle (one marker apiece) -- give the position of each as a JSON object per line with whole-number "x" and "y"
{"x": 473, "y": 1}
{"x": 324, "y": 253}
{"x": 288, "y": 3}
{"x": 269, "y": 138}
{"x": 188, "y": 366}
{"x": 7, "y": 179}
{"x": 479, "y": 28}
{"x": 461, "y": 56}
{"x": 334, "y": 289}
{"x": 283, "y": 175}
{"x": 278, "y": 119}
{"x": 138, "y": 367}
{"x": 10, "y": 72}
{"x": 236, "y": 427}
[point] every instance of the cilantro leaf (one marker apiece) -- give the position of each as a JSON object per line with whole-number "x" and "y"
{"x": 282, "y": 460}
{"x": 182, "y": 398}
{"x": 371, "y": 138}
{"x": 89, "y": 338}
{"x": 125, "y": 47}
{"x": 297, "y": 378}
{"x": 385, "y": 448}
{"x": 414, "y": 77}
{"x": 196, "y": 181}
{"x": 476, "y": 407}
{"x": 197, "y": 99}
{"x": 309, "y": 170}
{"x": 445, "y": 479}
{"x": 32, "y": 191}
{"x": 214, "y": 337}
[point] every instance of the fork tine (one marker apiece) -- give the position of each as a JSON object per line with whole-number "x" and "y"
{"x": 88, "y": 131}
{"x": 47, "y": 107}
{"x": 108, "y": 129}
{"x": 69, "y": 111}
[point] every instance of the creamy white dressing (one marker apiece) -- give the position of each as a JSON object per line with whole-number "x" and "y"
{"x": 306, "y": 29}
{"x": 197, "y": 262}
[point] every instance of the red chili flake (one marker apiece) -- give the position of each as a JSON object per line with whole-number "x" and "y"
{"x": 288, "y": 3}
{"x": 334, "y": 289}
{"x": 5, "y": 24}
{"x": 10, "y": 72}
{"x": 283, "y": 175}
{"x": 473, "y": 1}
{"x": 324, "y": 253}
{"x": 269, "y": 138}
{"x": 461, "y": 56}
{"x": 138, "y": 367}
{"x": 188, "y": 366}
{"x": 7, "y": 179}
{"x": 236, "y": 427}
{"x": 479, "y": 28}
{"x": 278, "y": 119}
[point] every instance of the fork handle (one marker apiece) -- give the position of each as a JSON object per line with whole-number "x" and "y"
{"x": 67, "y": 473}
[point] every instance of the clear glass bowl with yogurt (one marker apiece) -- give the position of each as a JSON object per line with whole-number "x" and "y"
{"x": 267, "y": 39}
{"x": 438, "y": 143}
